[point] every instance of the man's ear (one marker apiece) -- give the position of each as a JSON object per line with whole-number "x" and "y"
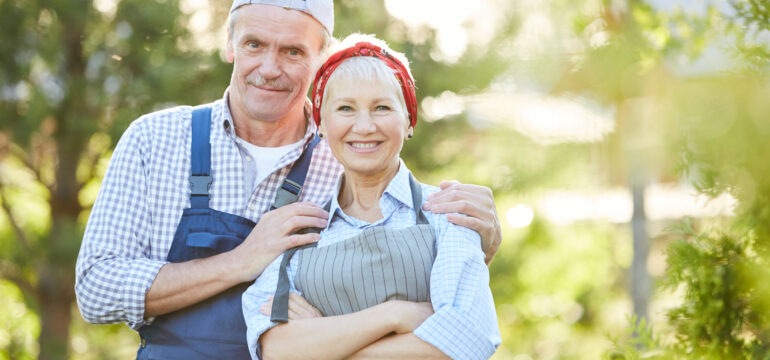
{"x": 229, "y": 51}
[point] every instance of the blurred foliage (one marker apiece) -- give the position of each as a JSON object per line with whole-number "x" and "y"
{"x": 71, "y": 79}
{"x": 722, "y": 270}
{"x": 638, "y": 342}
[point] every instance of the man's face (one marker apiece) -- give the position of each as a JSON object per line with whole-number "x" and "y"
{"x": 275, "y": 52}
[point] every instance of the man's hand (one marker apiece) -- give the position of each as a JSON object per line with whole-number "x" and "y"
{"x": 299, "y": 308}
{"x": 274, "y": 234}
{"x": 477, "y": 203}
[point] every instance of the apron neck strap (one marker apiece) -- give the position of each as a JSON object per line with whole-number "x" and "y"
{"x": 417, "y": 200}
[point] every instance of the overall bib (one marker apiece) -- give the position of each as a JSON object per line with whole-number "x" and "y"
{"x": 213, "y": 328}
{"x": 379, "y": 264}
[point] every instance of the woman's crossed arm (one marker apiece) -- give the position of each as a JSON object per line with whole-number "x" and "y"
{"x": 382, "y": 331}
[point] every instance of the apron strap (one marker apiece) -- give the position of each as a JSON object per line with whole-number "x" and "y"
{"x": 200, "y": 158}
{"x": 280, "y": 310}
{"x": 417, "y": 200}
{"x": 289, "y": 191}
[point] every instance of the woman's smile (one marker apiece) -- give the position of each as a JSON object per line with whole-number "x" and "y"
{"x": 363, "y": 147}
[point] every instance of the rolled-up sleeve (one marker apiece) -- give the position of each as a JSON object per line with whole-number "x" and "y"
{"x": 258, "y": 294}
{"x": 464, "y": 323}
{"x": 114, "y": 271}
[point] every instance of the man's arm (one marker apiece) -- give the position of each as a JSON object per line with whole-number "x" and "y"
{"x": 179, "y": 285}
{"x": 115, "y": 279}
{"x": 478, "y": 204}
{"x": 113, "y": 271}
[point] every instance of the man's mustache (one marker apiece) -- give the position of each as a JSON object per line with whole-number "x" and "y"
{"x": 274, "y": 84}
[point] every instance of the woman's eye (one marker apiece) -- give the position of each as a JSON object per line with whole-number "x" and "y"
{"x": 382, "y": 108}
{"x": 344, "y": 108}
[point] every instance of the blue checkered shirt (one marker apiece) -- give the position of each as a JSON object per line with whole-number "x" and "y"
{"x": 145, "y": 189}
{"x": 464, "y": 325}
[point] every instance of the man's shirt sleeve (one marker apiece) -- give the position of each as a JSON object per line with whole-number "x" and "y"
{"x": 114, "y": 271}
{"x": 464, "y": 323}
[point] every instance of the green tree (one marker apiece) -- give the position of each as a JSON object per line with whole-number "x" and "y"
{"x": 72, "y": 78}
{"x": 723, "y": 268}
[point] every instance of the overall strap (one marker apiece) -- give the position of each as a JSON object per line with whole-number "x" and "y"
{"x": 289, "y": 191}
{"x": 200, "y": 158}
{"x": 280, "y": 310}
{"x": 417, "y": 200}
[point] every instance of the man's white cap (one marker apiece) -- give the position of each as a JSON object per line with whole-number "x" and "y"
{"x": 321, "y": 10}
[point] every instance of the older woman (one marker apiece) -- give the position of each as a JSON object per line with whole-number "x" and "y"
{"x": 389, "y": 279}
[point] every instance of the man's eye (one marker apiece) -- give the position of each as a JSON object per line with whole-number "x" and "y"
{"x": 295, "y": 52}
{"x": 253, "y": 44}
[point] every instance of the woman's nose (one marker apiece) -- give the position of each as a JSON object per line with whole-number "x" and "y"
{"x": 364, "y": 124}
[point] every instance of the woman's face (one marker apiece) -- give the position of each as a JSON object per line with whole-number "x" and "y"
{"x": 365, "y": 125}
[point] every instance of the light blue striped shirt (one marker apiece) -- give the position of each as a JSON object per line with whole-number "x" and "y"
{"x": 464, "y": 323}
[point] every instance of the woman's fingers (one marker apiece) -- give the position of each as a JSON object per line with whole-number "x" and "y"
{"x": 302, "y": 307}
{"x": 267, "y": 307}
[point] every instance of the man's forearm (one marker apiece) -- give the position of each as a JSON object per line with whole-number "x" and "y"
{"x": 399, "y": 346}
{"x": 179, "y": 285}
{"x": 333, "y": 337}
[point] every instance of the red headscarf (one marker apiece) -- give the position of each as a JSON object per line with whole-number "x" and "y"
{"x": 364, "y": 49}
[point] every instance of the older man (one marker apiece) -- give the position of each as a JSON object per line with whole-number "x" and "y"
{"x": 183, "y": 220}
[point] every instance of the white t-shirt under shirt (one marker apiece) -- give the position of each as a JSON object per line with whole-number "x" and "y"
{"x": 266, "y": 158}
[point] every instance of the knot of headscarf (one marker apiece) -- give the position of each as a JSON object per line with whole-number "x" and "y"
{"x": 364, "y": 49}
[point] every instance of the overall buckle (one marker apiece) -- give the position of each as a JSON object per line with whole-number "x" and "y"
{"x": 200, "y": 184}
{"x": 287, "y": 193}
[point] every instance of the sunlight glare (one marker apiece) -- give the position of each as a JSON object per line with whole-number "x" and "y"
{"x": 519, "y": 216}
{"x": 457, "y": 23}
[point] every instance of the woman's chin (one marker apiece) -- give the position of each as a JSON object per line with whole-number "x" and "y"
{"x": 366, "y": 168}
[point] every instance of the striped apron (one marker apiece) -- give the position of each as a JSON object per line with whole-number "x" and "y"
{"x": 377, "y": 265}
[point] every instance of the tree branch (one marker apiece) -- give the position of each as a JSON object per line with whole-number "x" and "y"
{"x": 11, "y": 273}
{"x": 17, "y": 152}
{"x": 14, "y": 224}
{"x": 93, "y": 159}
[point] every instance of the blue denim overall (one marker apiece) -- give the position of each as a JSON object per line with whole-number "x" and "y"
{"x": 213, "y": 328}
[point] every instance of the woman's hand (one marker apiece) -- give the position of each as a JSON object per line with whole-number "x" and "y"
{"x": 409, "y": 315}
{"x": 299, "y": 308}
{"x": 478, "y": 203}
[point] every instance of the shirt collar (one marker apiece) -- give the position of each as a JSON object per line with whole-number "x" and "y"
{"x": 228, "y": 125}
{"x": 398, "y": 191}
